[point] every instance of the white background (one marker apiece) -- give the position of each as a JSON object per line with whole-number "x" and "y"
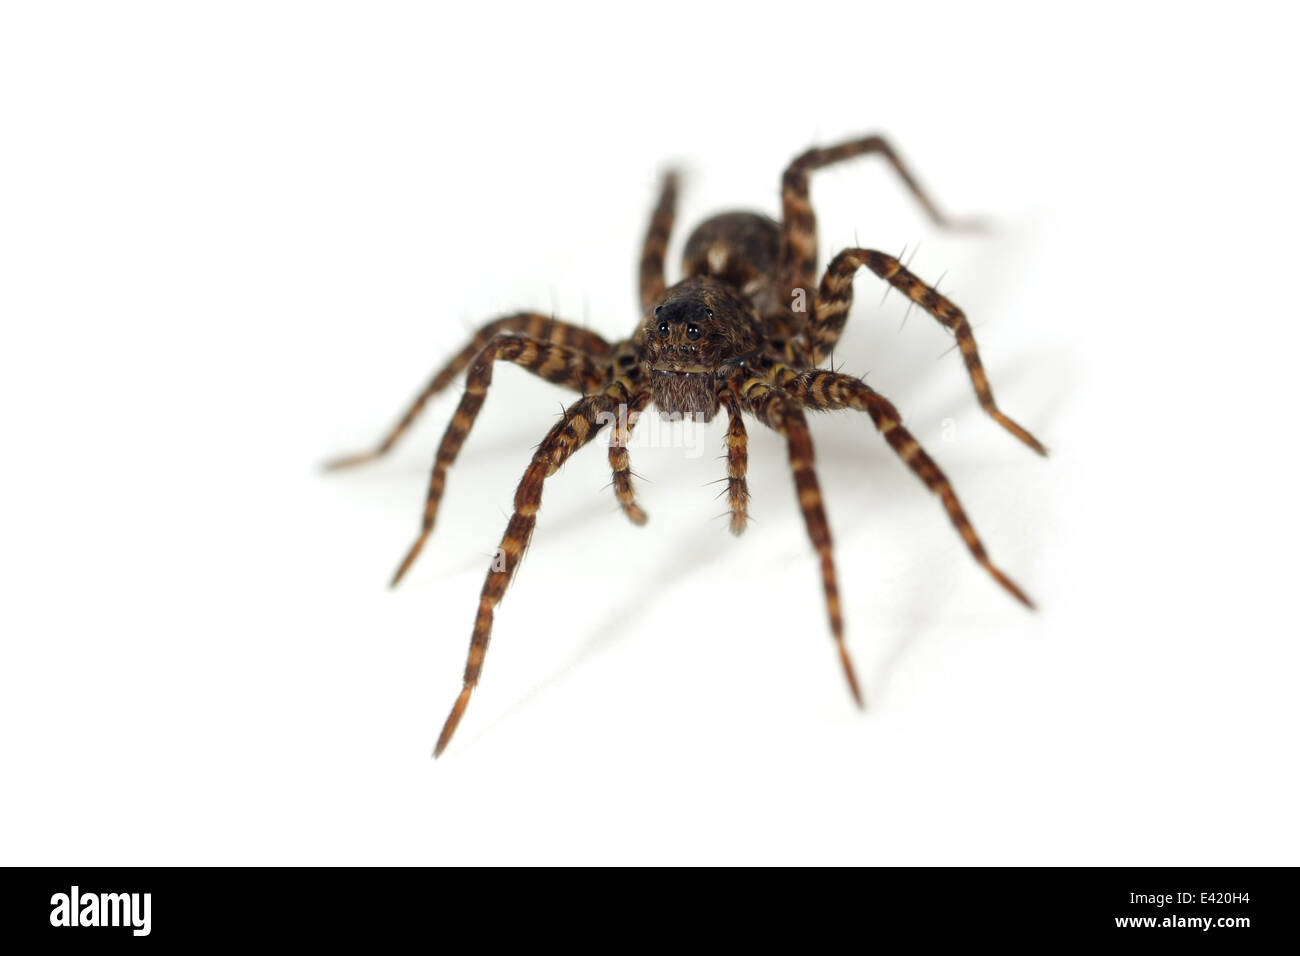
{"x": 235, "y": 238}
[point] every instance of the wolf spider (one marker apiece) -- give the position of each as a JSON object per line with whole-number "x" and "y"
{"x": 745, "y": 332}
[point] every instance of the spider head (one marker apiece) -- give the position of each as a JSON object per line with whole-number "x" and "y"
{"x": 700, "y": 329}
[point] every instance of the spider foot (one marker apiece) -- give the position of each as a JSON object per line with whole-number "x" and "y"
{"x": 349, "y": 461}
{"x": 453, "y": 720}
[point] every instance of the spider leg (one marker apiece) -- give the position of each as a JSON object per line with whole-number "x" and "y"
{"x": 798, "y": 261}
{"x": 822, "y": 389}
{"x": 835, "y": 297}
{"x": 579, "y": 425}
{"x": 782, "y": 413}
{"x": 555, "y": 363}
{"x": 656, "y": 243}
{"x": 532, "y": 324}
{"x": 737, "y": 462}
{"x": 620, "y": 462}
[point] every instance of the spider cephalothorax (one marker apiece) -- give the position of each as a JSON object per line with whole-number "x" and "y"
{"x": 747, "y": 331}
{"x": 701, "y": 328}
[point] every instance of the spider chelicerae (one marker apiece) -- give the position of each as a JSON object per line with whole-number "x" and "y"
{"x": 744, "y": 332}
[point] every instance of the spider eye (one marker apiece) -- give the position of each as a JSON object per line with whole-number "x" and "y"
{"x": 708, "y": 313}
{"x": 693, "y": 332}
{"x": 658, "y": 310}
{"x": 663, "y": 330}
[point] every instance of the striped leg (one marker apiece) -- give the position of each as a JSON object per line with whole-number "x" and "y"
{"x": 619, "y": 461}
{"x": 581, "y": 421}
{"x": 555, "y": 363}
{"x": 799, "y": 225}
{"x": 737, "y": 463}
{"x": 656, "y": 244}
{"x": 780, "y": 412}
{"x": 835, "y": 298}
{"x": 821, "y": 389}
{"x": 531, "y": 324}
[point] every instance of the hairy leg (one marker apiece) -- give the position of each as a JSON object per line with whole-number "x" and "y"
{"x": 656, "y": 243}
{"x": 799, "y": 224}
{"x": 579, "y": 425}
{"x": 555, "y": 363}
{"x": 737, "y": 463}
{"x": 531, "y": 324}
{"x": 821, "y": 389}
{"x": 781, "y": 412}
{"x": 835, "y": 298}
{"x": 620, "y": 462}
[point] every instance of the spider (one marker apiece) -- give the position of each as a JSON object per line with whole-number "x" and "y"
{"x": 744, "y": 332}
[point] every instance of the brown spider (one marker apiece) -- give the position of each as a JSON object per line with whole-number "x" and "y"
{"x": 745, "y": 332}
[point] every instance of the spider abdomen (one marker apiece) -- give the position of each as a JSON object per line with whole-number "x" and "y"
{"x": 734, "y": 247}
{"x": 743, "y": 250}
